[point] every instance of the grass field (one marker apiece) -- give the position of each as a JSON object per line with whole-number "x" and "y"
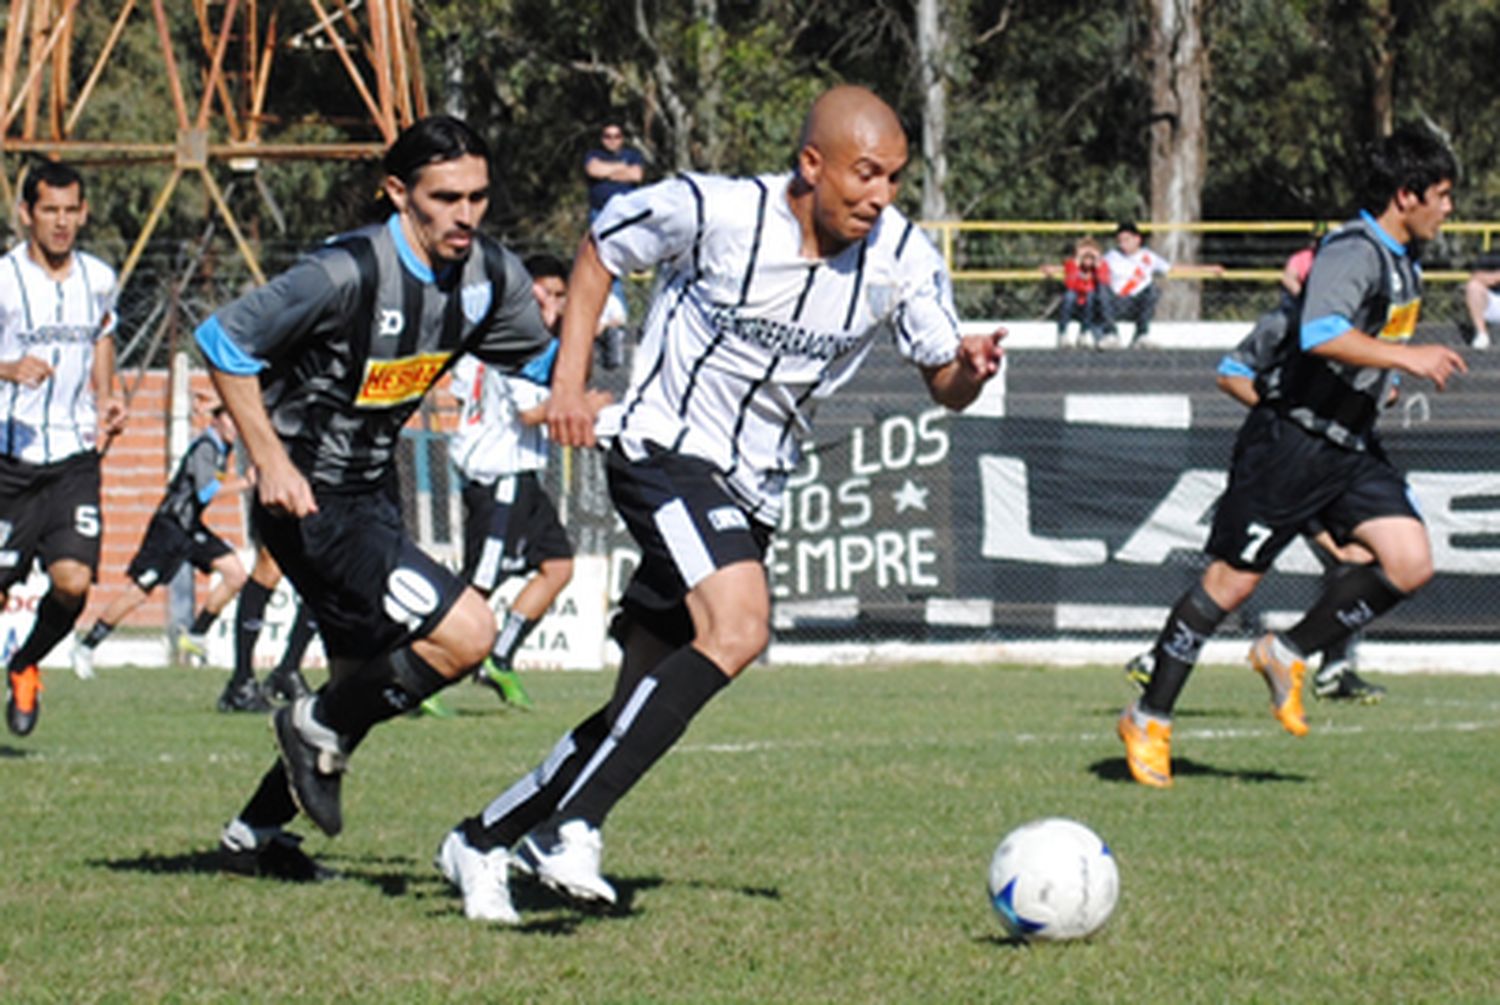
{"x": 821, "y": 835}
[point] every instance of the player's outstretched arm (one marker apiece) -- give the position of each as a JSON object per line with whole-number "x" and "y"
{"x": 1436, "y": 363}
{"x": 957, "y": 383}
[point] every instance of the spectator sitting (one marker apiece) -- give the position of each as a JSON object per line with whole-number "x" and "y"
{"x": 1131, "y": 292}
{"x": 1482, "y": 301}
{"x": 1084, "y": 277}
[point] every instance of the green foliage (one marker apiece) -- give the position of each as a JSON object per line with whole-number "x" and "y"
{"x": 820, "y": 835}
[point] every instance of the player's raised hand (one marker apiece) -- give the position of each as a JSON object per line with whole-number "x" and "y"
{"x": 1435, "y": 362}
{"x": 981, "y": 354}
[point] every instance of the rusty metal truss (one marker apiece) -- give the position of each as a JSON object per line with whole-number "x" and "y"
{"x": 43, "y": 109}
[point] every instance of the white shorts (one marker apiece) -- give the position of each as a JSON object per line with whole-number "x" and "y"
{"x": 1492, "y": 307}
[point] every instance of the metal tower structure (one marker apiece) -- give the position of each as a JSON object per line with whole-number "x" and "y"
{"x": 217, "y": 114}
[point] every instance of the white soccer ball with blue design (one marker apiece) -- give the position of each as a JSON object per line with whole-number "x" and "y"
{"x": 1053, "y": 879}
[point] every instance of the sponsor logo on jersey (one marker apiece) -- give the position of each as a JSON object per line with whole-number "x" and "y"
{"x": 390, "y": 382}
{"x": 728, "y": 518}
{"x": 1401, "y": 322}
{"x": 475, "y": 299}
{"x": 391, "y": 322}
{"x": 780, "y": 337}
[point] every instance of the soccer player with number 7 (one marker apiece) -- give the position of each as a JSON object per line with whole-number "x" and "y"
{"x": 1308, "y": 451}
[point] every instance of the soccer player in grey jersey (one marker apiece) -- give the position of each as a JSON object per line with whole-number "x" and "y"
{"x": 57, "y": 373}
{"x": 771, "y": 291}
{"x": 321, "y": 368}
{"x": 1308, "y": 451}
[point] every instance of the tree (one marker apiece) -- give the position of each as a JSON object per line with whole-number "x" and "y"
{"x": 1179, "y": 145}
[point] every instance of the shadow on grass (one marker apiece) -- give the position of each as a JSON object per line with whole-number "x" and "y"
{"x": 392, "y": 876}
{"x": 1114, "y": 769}
{"x": 6, "y": 750}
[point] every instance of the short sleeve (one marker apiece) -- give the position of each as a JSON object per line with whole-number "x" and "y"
{"x": 1343, "y": 276}
{"x": 515, "y": 331}
{"x": 640, "y": 228}
{"x": 269, "y": 321}
{"x": 925, "y": 320}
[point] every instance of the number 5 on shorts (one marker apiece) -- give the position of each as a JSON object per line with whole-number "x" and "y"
{"x": 1259, "y": 534}
{"x": 86, "y": 521}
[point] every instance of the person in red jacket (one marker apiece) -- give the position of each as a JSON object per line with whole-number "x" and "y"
{"x": 1084, "y": 276}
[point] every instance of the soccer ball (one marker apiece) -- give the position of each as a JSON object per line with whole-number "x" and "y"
{"x": 1053, "y": 879}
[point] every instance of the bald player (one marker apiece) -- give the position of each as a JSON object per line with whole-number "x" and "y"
{"x": 771, "y": 291}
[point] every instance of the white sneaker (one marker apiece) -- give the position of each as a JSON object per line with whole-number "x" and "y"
{"x": 1481, "y": 340}
{"x": 1109, "y": 341}
{"x": 568, "y": 862}
{"x": 482, "y": 877}
{"x": 83, "y": 660}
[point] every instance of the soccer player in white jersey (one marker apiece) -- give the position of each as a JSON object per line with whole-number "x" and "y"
{"x": 770, "y": 292}
{"x": 57, "y": 375}
{"x": 500, "y": 449}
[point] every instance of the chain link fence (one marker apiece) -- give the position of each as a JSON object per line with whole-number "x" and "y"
{"x": 1074, "y": 502}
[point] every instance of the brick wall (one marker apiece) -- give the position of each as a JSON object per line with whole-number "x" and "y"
{"x": 136, "y": 470}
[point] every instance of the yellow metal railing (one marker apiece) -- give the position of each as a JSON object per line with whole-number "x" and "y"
{"x": 947, "y": 232}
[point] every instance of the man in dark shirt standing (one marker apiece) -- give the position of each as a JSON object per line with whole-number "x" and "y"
{"x": 321, "y": 368}
{"x": 612, "y": 167}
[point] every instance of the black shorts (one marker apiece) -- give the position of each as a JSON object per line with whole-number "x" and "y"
{"x": 167, "y": 545}
{"x": 510, "y": 527}
{"x": 48, "y": 512}
{"x": 687, "y": 525}
{"x": 366, "y": 581}
{"x": 1284, "y": 480}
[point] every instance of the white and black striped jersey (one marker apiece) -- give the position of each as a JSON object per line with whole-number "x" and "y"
{"x": 745, "y": 336}
{"x": 59, "y": 322}
{"x": 491, "y": 441}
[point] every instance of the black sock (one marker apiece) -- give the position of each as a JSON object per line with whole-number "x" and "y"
{"x": 657, "y": 713}
{"x": 381, "y": 689}
{"x": 272, "y": 804}
{"x": 303, "y": 629}
{"x": 54, "y": 619}
{"x": 1349, "y": 602}
{"x": 96, "y": 634}
{"x": 249, "y": 619}
{"x": 203, "y": 622}
{"x": 512, "y": 633}
{"x": 533, "y": 797}
{"x": 1194, "y": 618}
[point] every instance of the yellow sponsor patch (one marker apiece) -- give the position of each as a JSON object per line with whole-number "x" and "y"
{"x": 394, "y": 381}
{"x": 1401, "y": 322}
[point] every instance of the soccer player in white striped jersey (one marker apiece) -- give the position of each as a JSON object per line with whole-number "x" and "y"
{"x": 770, "y": 292}
{"x": 57, "y": 374}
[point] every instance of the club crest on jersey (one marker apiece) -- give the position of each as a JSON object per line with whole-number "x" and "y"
{"x": 475, "y": 299}
{"x": 389, "y": 382}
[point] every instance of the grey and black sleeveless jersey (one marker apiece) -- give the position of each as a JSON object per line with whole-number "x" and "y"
{"x": 58, "y": 322}
{"x": 1362, "y": 279}
{"x": 196, "y": 480}
{"x": 344, "y": 362}
{"x": 746, "y": 335}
